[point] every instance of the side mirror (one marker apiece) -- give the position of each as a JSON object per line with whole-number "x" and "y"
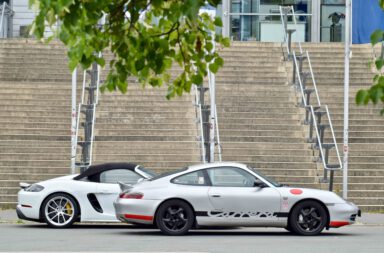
{"x": 259, "y": 183}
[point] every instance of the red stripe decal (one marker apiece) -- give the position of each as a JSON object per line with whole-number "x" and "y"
{"x": 138, "y": 217}
{"x": 337, "y": 224}
{"x": 26, "y": 206}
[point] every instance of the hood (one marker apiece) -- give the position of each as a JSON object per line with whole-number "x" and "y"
{"x": 303, "y": 193}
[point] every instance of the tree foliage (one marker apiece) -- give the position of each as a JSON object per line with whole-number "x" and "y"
{"x": 375, "y": 93}
{"x": 146, "y": 37}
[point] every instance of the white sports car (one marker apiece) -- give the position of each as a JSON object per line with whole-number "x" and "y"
{"x": 230, "y": 194}
{"x": 87, "y": 196}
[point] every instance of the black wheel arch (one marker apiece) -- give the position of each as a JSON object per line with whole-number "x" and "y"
{"x": 77, "y": 202}
{"x": 310, "y": 199}
{"x": 179, "y": 199}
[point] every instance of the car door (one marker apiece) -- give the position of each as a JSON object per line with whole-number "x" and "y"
{"x": 108, "y": 188}
{"x": 236, "y": 200}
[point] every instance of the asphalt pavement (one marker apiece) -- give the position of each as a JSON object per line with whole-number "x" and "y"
{"x": 367, "y": 236}
{"x": 123, "y": 238}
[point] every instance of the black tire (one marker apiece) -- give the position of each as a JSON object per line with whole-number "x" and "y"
{"x": 59, "y": 210}
{"x": 308, "y": 218}
{"x": 175, "y": 217}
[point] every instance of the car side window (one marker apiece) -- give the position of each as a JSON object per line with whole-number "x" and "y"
{"x": 119, "y": 175}
{"x": 230, "y": 177}
{"x": 193, "y": 178}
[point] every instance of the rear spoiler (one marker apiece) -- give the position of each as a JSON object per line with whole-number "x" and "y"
{"x": 24, "y": 185}
{"x": 124, "y": 187}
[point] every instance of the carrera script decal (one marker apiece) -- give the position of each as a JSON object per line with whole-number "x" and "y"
{"x": 250, "y": 215}
{"x": 242, "y": 214}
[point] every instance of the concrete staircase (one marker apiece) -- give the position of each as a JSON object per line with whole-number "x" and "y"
{"x": 366, "y": 139}
{"x": 259, "y": 120}
{"x": 35, "y": 100}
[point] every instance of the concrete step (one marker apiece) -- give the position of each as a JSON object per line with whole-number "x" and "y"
{"x": 255, "y": 133}
{"x": 145, "y": 132}
{"x": 35, "y": 170}
{"x": 239, "y": 127}
{"x": 362, "y": 179}
{"x": 284, "y": 139}
{"x": 267, "y": 158}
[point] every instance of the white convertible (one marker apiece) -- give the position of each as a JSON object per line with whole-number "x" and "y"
{"x": 230, "y": 194}
{"x": 85, "y": 197}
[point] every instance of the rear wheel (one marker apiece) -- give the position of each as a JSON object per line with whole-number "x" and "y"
{"x": 175, "y": 217}
{"x": 308, "y": 218}
{"x": 60, "y": 210}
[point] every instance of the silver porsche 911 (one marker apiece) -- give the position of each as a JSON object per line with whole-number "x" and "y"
{"x": 230, "y": 194}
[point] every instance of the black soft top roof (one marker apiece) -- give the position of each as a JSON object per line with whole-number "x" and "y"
{"x": 96, "y": 169}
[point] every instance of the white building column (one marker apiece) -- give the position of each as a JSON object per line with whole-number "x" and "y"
{"x": 316, "y": 21}
{"x": 226, "y": 18}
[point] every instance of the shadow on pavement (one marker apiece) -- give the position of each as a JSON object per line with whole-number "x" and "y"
{"x": 239, "y": 233}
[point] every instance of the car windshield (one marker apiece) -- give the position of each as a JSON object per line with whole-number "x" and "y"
{"x": 168, "y": 173}
{"x": 148, "y": 172}
{"x": 273, "y": 182}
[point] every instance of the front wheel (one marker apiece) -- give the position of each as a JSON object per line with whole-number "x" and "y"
{"x": 175, "y": 217}
{"x": 308, "y": 218}
{"x": 60, "y": 210}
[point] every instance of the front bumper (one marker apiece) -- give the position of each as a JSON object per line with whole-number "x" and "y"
{"x": 343, "y": 214}
{"x": 136, "y": 210}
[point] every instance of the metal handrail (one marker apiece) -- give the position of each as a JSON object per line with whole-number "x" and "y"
{"x": 296, "y": 27}
{"x": 313, "y": 79}
{"x": 199, "y": 122}
{"x": 285, "y": 31}
{"x": 220, "y": 149}
{"x": 77, "y": 126}
{"x": 306, "y": 105}
{"x": 199, "y": 115}
{"x": 200, "y": 112}
{"x": 299, "y": 78}
{"x": 333, "y": 136}
{"x": 314, "y": 122}
{"x": 93, "y": 134}
{"x": 83, "y": 89}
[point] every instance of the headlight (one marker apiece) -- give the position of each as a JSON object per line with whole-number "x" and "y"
{"x": 34, "y": 188}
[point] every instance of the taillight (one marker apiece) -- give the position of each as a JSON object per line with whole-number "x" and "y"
{"x": 131, "y": 195}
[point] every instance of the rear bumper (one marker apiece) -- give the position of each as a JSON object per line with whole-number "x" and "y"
{"x": 136, "y": 210}
{"x": 21, "y": 216}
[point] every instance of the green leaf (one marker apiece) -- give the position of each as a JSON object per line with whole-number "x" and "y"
{"x": 226, "y": 42}
{"x": 379, "y": 64}
{"x": 197, "y": 79}
{"x": 361, "y": 97}
{"x": 214, "y": 67}
{"x": 100, "y": 61}
{"x": 218, "y": 22}
{"x": 377, "y": 36}
{"x": 381, "y": 2}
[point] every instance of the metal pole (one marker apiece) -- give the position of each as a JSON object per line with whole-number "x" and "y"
{"x": 213, "y": 117}
{"x": 346, "y": 95}
{"x": 73, "y": 125}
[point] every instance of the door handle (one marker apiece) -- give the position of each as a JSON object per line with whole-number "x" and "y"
{"x": 102, "y": 191}
{"x": 216, "y": 196}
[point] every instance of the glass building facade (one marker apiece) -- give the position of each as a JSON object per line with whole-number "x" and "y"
{"x": 259, "y": 20}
